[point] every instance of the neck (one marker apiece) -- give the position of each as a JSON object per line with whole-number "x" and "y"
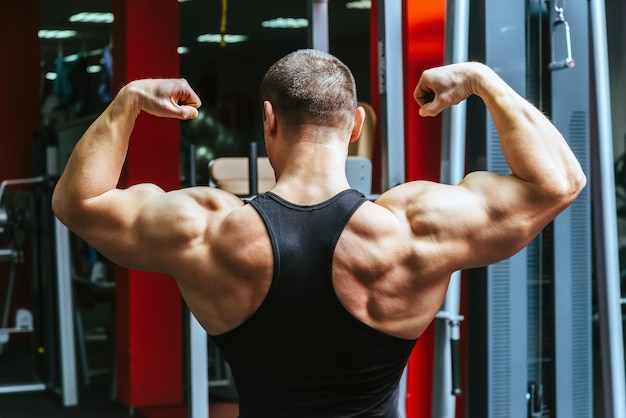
{"x": 312, "y": 171}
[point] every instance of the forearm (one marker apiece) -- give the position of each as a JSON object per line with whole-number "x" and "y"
{"x": 95, "y": 165}
{"x": 534, "y": 149}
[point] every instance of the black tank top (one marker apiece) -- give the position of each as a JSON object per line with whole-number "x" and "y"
{"x": 302, "y": 354}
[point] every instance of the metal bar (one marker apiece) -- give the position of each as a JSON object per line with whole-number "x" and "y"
{"x": 4, "y": 321}
{"x": 31, "y": 180}
{"x": 611, "y": 332}
{"x": 319, "y": 25}
{"x": 452, "y": 172}
{"x": 570, "y": 302}
{"x": 391, "y": 91}
{"x": 69, "y": 387}
{"x": 253, "y": 172}
{"x": 34, "y": 387}
{"x": 198, "y": 371}
{"x": 193, "y": 180}
{"x": 198, "y": 363}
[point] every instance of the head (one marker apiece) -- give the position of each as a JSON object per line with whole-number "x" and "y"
{"x": 310, "y": 87}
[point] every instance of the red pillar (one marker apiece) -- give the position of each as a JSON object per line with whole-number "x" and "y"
{"x": 20, "y": 104}
{"x": 148, "y": 314}
{"x": 20, "y": 94}
{"x": 375, "y": 96}
{"x": 424, "y": 28}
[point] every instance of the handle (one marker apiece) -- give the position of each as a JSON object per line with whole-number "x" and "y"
{"x": 455, "y": 352}
{"x": 252, "y": 170}
{"x": 568, "y": 61}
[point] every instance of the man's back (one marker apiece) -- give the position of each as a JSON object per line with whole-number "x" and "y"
{"x": 302, "y": 353}
{"x": 377, "y": 271}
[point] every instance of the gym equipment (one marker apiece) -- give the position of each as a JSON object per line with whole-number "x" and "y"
{"x": 17, "y": 219}
{"x": 391, "y": 93}
{"x": 560, "y": 22}
{"x": 318, "y": 16}
{"x": 620, "y": 183}
{"x": 605, "y": 221}
{"x": 572, "y": 267}
{"x": 197, "y": 343}
{"x": 231, "y": 174}
{"x": 15, "y": 223}
{"x": 530, "y": 338}
{"x": 447, "y": 380}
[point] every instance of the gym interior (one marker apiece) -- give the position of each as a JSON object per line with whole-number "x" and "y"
{"x": 538, "y": 335}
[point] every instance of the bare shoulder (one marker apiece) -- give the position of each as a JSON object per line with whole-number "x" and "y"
{"x": 440, "y": 222}
{"x": 208, "y": 198}
{"x": 377, "y": 238}
{"x": 192, "y": 210}
{"x": 405, "y": 197}
{"x": 384, "y": 276}
{"x": 170, "y": 226}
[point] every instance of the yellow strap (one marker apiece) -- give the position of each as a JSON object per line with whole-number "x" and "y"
{"x": 223, "y": 24}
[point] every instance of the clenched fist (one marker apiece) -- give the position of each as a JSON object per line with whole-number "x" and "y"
{"x": 442, "y": 87}
{"x": 167, "y": 98}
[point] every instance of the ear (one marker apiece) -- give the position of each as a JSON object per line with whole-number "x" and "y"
{"x": 269, "y": 119}
{"x": 359, "y": 118}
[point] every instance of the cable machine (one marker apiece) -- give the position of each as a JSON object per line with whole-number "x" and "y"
{"x": 530, "y": 334}
{"x": 51, "y": 323}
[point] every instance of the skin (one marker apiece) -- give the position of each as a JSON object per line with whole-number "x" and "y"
{"x": 393, "y": 261}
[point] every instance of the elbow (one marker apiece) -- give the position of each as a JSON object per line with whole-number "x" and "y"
{"x": 57, "y": 204}
{"x": 61, "y": 206}
{"x": 571, "y": 186}
{"x": 581, "y": 182}
{"x": 578, "y": 181}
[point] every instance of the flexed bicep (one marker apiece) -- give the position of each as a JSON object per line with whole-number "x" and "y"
{"x": 484, "y": 219}
{"x": 113, "y": 225}
{"x": 498, "y": 216}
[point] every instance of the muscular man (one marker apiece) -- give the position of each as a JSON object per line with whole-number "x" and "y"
{"x": 315, "y": 295}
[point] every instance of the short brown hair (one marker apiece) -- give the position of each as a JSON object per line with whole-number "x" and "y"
{"x": 311, "y": 87}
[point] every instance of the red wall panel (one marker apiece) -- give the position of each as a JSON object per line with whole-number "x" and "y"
{"x": 423, "y": 27}
{"x": 149, "y": 311}
{"x": 20, "y": 102}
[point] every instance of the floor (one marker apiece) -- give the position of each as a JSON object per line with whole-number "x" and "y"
{"x": 18, "y": 365}
{"x": 94, "y": 402}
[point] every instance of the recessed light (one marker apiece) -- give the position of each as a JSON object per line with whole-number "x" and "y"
{"x": 92, "y": 17}
{"x": 56, "y": 34}
{"x": 51, "y": 76}
{"x": 72, "y": 58}
{"x": 182, "y": 50}
{"x": 286, "y": 23}
{"x": 93, "y": 69}
{"x": 216, "y": 38}
{"x": 359, "y": 4}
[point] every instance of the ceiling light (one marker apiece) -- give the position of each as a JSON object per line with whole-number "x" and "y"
{"x": 93, "y": 69}
{"x": 359, "y": 4}
{"x": 56, "y": 34}
{"x": 72, "y": 58}
{"x": 286, "y": 23}
{"x": 51, "y": 76}
{"x": 92, "y": 17}
{"x": 216, "y": 38}
{"x": 182, "y": 49}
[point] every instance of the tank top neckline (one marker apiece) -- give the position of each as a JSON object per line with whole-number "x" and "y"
{"x": 314, "y": 206}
